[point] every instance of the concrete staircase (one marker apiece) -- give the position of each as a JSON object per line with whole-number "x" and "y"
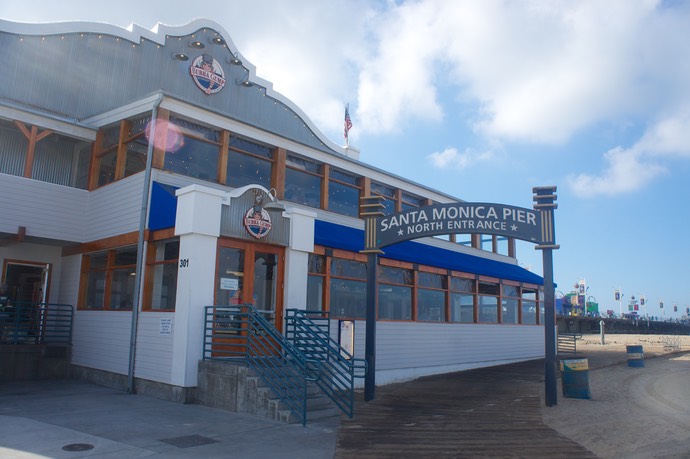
{"x": 235, "y": 387}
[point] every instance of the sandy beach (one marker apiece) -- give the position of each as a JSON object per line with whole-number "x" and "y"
{"x": 634, "y": 412}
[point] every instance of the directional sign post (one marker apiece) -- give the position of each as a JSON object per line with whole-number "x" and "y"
{"x": 532, "y": 225}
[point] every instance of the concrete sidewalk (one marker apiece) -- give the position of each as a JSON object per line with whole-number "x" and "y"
{"x": 73, "y": 419}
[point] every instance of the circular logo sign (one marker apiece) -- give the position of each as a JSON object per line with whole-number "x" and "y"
{"x": 207, "y": 74}
{"x": 257, "y": 221}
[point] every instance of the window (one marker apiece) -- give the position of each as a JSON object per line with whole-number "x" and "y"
{"x": 529, "y": 306}
{"x": 431, "y": 297}
{"x": 199, "y": 152}
{"x": 343, "y": 193}
{"x": 348, "y": 289}
{"x": 111, "y": 166}
{"x": 395, "y": 293}
{"x": 315, "y": 282}
{"x": 303, "y": 181}
{"x": 488, "y": 302}
{"x": 462, "y": 299}
{"x": 248, "y": 163}
{"x": 110, "y": 279}
{"x": 388, "y": 193}
{"x": 510, "y": 302}
{"x": 162, "y": 275}
{"x": 410, "y": 201}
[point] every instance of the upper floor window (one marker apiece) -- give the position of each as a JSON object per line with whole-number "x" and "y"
{"x": 303, "y": 181}
{"x": 387, "y": 192}
{"x": 199, "y": 151}
{"x": 248, "y": 163}
{"x": 114, "y": 162}
{"x": 343, "y": 193}
{"x": 410, "y": 201}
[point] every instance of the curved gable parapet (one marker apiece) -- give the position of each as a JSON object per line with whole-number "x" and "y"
{"x": 81, "y": 69}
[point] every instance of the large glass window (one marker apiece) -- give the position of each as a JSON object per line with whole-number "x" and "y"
{"x": 510, "y": 302}
{"x": 303, "y": 181}
{"x": 410, "y": 201}
{"x": 462, "y": 299}
{"x": 248, "y": 163}
{"x": 529, "y": 306}
{"x": 315, "y": 282}
{"x": 488, "y": 302}
{"x": 343, "y": 193}
{"x": 395, "y": 293}
{"x": 199, "y": 152}
{"x": 348, "y": 289}
{"x": 387, "y": 192}
{"x": 110, "y": 279}
{"x": 162, "y": 274}
{"x": 431, "y": 297}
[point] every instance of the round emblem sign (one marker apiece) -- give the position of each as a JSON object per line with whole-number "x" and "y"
{"x": 207, "y": 74}
{"x": 257, "y": 221}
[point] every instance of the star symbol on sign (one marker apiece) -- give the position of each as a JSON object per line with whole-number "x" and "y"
{"x": 513, "y": 227}
{"x": 400, "y": 232}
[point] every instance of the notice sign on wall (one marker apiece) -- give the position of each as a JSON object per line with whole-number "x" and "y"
{"x": 166, "y": 326}
{"x": 227, "y": 283}
{"x": 346, "y": 335}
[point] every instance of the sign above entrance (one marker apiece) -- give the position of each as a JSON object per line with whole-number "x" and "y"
{"x": 458, "y": 218}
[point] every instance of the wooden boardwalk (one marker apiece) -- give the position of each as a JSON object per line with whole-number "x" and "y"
{"x": 492, "y": 412}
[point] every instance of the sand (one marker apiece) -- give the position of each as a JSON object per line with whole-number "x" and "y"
{"x": 633, "y": 412}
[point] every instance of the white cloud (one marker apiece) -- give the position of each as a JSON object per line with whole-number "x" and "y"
{"x": 632, "y": 169}
{"x": 452, "y": 158}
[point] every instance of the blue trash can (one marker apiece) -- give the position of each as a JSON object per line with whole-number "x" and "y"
{"x": 575, "y": 378}
{"x": 635, "y": 356}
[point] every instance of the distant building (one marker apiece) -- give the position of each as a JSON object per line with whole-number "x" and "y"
{"x": 160, "y": 149}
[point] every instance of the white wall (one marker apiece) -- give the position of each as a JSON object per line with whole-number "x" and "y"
{"x": 408, "y": 350}
{"x": 114, "y": 209}
{"x": 101, "y": 340}
{"x": 154, "y": 347}
{"x": 44, "y": 209}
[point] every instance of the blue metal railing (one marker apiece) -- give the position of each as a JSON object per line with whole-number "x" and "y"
{"x": 36, "y": 323}
{"x": 309, "y": 331}
{"x": 241, "y": 333}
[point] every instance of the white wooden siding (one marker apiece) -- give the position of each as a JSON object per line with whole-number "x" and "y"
{"x": 101, "y": 340}
{"x": 45, "y": 209}
{"x": 115, "y": 208}
{"x": 154, "y": 351}
{"x": 407, "y": 350}
{"x": 69, "y": 281}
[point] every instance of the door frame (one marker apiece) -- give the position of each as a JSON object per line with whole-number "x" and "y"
{"x": 250, "y": 248}
{"x": 45, "y": 275}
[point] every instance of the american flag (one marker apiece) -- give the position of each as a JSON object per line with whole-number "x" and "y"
{"x": 348, "y": 121}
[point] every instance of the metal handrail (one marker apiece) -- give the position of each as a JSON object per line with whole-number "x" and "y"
{"x": 24, "y": 322}
{"x": 242, "y": 333}
{"x": 309, "y": 331}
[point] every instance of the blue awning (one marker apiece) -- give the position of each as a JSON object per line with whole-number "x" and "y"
{"x": 352, "y": 239}
{"x": 163, "y": 206}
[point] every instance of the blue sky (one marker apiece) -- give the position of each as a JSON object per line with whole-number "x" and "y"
{"x": 485, "y": 100}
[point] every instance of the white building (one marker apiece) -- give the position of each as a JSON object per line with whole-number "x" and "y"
{"x": 139, "y": 236}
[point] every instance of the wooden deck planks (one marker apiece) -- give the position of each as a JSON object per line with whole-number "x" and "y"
{"x": 490, "y": 412}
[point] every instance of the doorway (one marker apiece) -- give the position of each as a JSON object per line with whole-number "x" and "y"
{"x": 27, "y": 281}
{"x": 251, "y": 273}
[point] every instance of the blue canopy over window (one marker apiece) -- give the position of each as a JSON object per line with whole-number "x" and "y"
{"x": 352, "y": 239}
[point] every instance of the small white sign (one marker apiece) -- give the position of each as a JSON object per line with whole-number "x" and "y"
{"x": 347, "y": 337}
{"x": 227, "y": 283}
{"x": 166, "y": 326}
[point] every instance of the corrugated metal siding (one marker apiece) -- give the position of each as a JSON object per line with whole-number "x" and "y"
{"x": 115, "y": 209}
{"x": 80, "y": 75}
{"x": 232, "y": 221}
{"x": 154, "y": 351}
{"x": 13, "y": 146}
{"x": 101, "y": 340}
{"x": 46, "y": 210}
